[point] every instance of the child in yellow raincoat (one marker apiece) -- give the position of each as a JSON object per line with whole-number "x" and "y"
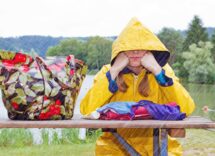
{"x": 138, "y": 71}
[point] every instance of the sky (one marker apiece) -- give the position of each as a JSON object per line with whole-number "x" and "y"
{"x": 73, "y": 18}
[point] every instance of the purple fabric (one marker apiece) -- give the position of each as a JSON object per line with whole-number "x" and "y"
{"x": 163, "y": 112}
{"x": 157, "y": 111}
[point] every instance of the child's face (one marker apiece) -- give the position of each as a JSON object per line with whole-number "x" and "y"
{"x": 135, "y": 57}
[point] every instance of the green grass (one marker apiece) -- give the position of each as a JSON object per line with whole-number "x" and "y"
{"x": 69, "y": 136}
{"x": 15, "y": 138}
{"x": 198, "y": 142}
{"x": 23, "y": 137}
{"x": 19, "y": 142}
{"x": 86, "y": 149}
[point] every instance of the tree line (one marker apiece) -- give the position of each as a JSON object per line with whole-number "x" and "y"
{"x": 38, "y": 44}
{"x": 192, "y": 53}
{"x": 96, "y": 51}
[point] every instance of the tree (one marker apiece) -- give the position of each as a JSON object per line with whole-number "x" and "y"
{"x": 68, "y": 47}
{"x": 213, "y": 42}
{"x": 98, "y": 52}
{"x": 173, "y": 40}
{"x": 40, "y": 44}
{"x": 196, "y": 32}
{"x": 199, "y": 64}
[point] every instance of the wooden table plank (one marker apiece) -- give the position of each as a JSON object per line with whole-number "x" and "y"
{"x": 191, "y": 122}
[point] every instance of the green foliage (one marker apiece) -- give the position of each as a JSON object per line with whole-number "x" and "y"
{"x": 173, "y": 40}
{"x": 96, "y": 51}
{"x": 199, "y": 63}
{"x": 67, "y": 47}
{"x": 40, "y": 44}
{"x": 213, "y": 42}
{"x": 196, "y": 32}
{"x": 179, "y": 69}
{"x": 213, "y": 39}
{"x": 99, "y": 52}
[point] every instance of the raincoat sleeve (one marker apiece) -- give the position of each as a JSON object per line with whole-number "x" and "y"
{"x": 99, "y": 94}
{"x": 176, "y": 93}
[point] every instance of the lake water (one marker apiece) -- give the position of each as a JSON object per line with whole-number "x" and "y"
{"x": 202, "y": 95}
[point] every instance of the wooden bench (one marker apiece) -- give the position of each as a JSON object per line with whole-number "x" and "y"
{"x": 160, "y": 128}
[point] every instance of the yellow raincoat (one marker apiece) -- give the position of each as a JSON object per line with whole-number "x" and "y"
{"x": 136, "y": 37}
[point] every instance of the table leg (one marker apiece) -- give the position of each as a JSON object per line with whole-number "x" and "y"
{"x": 164, "y": 142}
{"x": 156, "y": 142}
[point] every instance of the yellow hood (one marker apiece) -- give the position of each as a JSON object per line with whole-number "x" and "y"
{"x": 137, "y": 37}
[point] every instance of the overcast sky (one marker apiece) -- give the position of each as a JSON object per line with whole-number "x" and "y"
{"x": 73, "y": 18}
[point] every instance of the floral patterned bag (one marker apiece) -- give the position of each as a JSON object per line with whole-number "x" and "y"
{"x": 34, "y": 89}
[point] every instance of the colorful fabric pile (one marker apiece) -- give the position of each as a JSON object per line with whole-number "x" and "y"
{"x": 138, "y": 111}
{"x": 34, "y": 89}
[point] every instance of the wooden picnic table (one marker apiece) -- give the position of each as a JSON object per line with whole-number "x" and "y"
{"x": 161, "y": 129}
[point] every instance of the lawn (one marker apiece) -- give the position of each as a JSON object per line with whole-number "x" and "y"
{"x": 49, "y": 150}
{"x": 19, "y": 142}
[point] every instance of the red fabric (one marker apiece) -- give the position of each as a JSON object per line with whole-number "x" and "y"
{"x": 110, "y": 115}
{"x": 140, "y": 114}
{"x": 172, "y": 104}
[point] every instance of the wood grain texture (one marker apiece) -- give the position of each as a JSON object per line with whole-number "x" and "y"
{"x": 76, "y": 122}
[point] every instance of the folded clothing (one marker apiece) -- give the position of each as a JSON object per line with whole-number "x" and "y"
{"x": 138, "y": 111}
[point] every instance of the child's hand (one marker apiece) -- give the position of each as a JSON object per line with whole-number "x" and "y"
{"x": 120, "y": 63}
{"x": 148, "y": 61}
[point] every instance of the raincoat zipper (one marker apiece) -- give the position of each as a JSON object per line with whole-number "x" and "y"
{"x": 135, "y": 86}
